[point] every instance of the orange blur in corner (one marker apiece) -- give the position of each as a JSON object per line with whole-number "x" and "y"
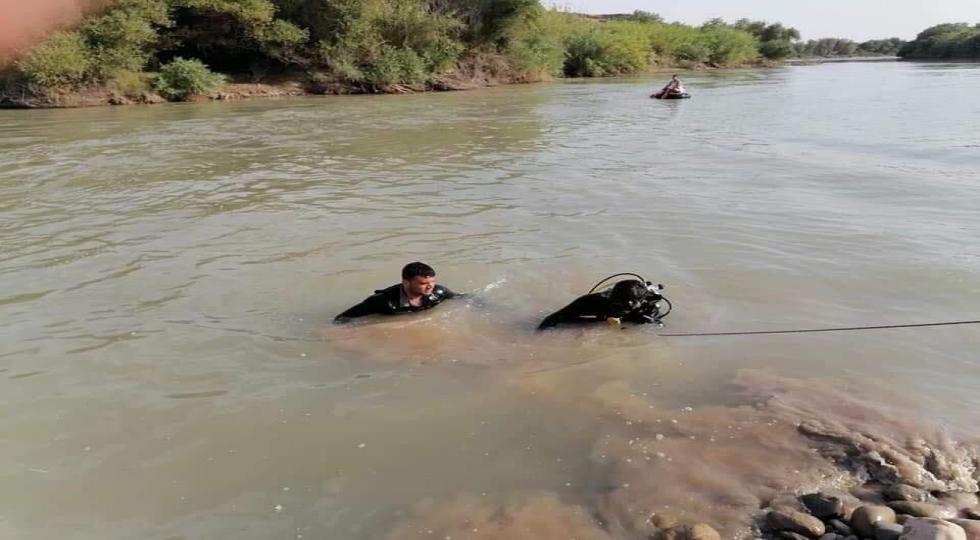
{"x": 25, "y": 22}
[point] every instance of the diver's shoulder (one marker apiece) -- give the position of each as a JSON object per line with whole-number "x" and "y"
{"x": 387, "y": 290}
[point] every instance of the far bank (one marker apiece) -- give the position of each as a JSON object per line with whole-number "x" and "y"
{"x": 239, "y": 88}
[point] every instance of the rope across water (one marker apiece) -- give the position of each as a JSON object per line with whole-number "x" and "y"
{"x": 815, "y": 330}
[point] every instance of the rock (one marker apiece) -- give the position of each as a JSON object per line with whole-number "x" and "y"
{"x": 972, "y": 513}
{"x": 905, "y": 492}
{"x": 793, "y": 521}
{"x": 703, "y": 531}
{"x": 932, "y": 529}
{"x": 831, "y": 536}
{"x": 851, "y": 537}
{"x": 921, "y": 509}
{"x": 866, "y": 516}
{"x": 970, "y": 526}
{"x": 150, "y": 98}
{"x": 823, "y": 506}
{"x": 887, "y": 531}
{"x": 663, "y": 520}
{"x": 841, "y": 527}
{"x": 958, "y": 500}
{"x": 850, "y": 507}
{"x": 902, "y": 518}
{"x": 117, "y": 99}
{"x": 789, "y": 535}
{"x": 674, "y": 533}
{"x": 700, "y": 531}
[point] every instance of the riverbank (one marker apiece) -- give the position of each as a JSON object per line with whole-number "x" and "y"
{"x": 472, "y": 76}
{"x": 811, "y": 60}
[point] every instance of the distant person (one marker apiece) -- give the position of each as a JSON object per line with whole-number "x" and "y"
{"x": 673, "y": 88}
{"x": 629, "y": 300}
{"x": 417, "y": 291}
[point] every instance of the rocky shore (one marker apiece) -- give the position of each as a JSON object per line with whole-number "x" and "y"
{"x": 97, "y": 97}
{"x": 872, "y": 511}
{"x": 800, "y": 460}
{"x": 892, "y": 512}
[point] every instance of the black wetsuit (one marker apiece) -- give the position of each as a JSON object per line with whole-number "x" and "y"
{"x": 392, "y": 301}
{"x": 639, "y": 308}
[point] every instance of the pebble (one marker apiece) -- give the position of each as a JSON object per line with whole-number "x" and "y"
{"x": 970, "y": 526}
{"x": 932, "y": 529}
{"x": 840, "y": 527}
{"x": 823, "y": 506}
{"x": 663, "y": 520}
{"x": 864, "y": 518}
{"x": 905, "y": 492}
{"x": 921, "y": 509}
{"x": 798, "y": 522}
{"x": 700, "y": 531}
{"x": 790, "y": 535}
{"x": 887, "y": 531}
{"x": 703, "y": 531}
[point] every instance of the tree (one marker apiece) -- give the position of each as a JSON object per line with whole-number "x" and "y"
{"x": 646, "y": 17}
{"x": 775, "y": 40}
{"x": 950, "y": 40}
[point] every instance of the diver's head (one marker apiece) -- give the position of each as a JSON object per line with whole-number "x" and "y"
{"x": 674, "y": 77}
{"x": 630, "y": 292}
{"x": 418, "y": 279}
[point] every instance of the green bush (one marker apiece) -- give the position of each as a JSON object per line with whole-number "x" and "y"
{"x": 492, "y": 22}
{"x": 182, "y": 78}
{"x": 386, "y": 42}
{"x": 122, "y": 38}
{"x": 729, "y": 46}
{"x": 613, "y": 48}
{"x": 397, "y": 66}
{"x": 535, "y": 54}
{"x": 715, "y": 42}
{"x": 62, "y": 60}
{"x": 232, "y": 33}
{"x": 779, "y": 49}
{"x": 693, "y": 52}
{"x": 129, "y": 83}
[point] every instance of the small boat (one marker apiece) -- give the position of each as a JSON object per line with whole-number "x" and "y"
{"x": 671, "y": 95}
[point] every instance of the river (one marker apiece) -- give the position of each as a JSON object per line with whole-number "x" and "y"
{"x": 169, "y": 274}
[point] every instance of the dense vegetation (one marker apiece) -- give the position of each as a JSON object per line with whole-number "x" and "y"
{"x": 367, "y": 45}
{"x": 834, "y": 47}
{"x": 954, "y": 40}
{"x": 172, "y": 46}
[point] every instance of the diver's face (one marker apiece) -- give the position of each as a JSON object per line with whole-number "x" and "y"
{"x": 419, "y": 285}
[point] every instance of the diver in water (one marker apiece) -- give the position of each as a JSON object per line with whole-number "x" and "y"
{"x": 630, "y": 300}
{"x": 418, "y": 291}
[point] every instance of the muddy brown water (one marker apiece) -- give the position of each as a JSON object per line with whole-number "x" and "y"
{"x": 168, "y": 274}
